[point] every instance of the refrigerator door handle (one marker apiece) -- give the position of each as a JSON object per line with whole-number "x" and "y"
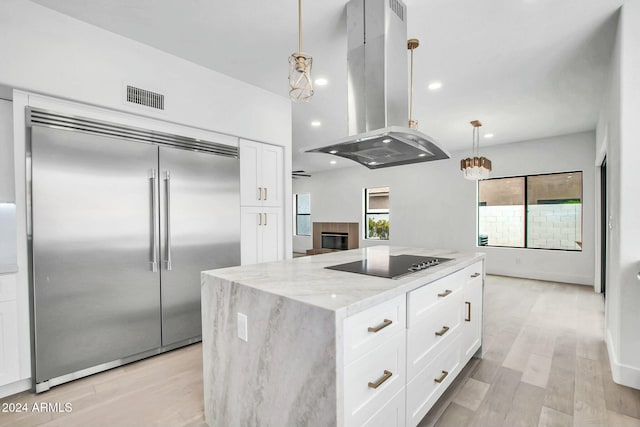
{"x": 167, "y": 186}
{"x": 154, "y": 221}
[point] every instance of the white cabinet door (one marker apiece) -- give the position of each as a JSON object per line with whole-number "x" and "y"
{"x": 272, "y": 175}
{"x": 272, "y": 235}
{"x": 261, "y": 174}
{"x": 472, "y": 322}
{"x": 249, "y": 235}
{"x": 9, "y": 366}
{"x": 250, "y": 173}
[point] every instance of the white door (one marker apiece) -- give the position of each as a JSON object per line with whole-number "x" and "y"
{"x": 272, "y": 175}
{"x": 250, "y": 229}
{"x": 9, "y": 367}
{"x": 250, "y": 173}
{"x": 272, "y": 235}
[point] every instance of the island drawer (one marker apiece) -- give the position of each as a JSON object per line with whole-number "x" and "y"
{"x": 431, "y": 333}
{"x": 473, "y": 273}
{"x": 430, "y": 383}
{"x": 423, "y": 300}
{"x": 371, "y": 381}
{"x": 370, "y": 328}
{"x": 391, "y": 415}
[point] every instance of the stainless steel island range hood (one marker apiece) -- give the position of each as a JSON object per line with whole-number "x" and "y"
{"x": 378, "y": 90}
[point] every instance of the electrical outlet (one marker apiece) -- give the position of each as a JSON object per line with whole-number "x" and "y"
{"x": 517, "y": 260}
{"x": 243, "y": 327}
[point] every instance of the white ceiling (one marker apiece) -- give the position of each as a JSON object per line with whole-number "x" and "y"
{"x": 526, "y": 68}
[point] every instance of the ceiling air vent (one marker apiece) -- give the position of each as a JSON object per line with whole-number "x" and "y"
{"x": 398, "y": 8}
{"x": 135, "y": 95}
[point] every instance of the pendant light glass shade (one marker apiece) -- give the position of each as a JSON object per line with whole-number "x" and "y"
{"x": 475, "y": 167}
{"x": 300, "y": 82}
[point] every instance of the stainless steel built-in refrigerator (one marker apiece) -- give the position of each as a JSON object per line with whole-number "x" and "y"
{"x": 123, "y": 221}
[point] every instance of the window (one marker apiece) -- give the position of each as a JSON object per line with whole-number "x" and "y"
{"x": 303, "y": 214}
{"x": 376, "y": 213}
{"x": 536, "y": 211}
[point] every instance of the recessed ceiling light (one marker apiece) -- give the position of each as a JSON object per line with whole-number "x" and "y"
{"x": 422, "y": 154}
{"x": 488, "y": 135}
{"x": 333, "y": 162}
{"x": 570, "y": 176}
{"x": 315, "y": 123}
{"x": 386, "y": 141}
{"x": 333, "y": 151}
{"x": 321, "y": 82}
{"x": 434, "y": 86}
{"x": 373, "y": 163}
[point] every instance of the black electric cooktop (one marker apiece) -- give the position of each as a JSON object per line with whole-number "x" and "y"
{"x": 391, "y": 267}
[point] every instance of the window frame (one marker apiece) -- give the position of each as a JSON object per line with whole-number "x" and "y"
{"x": 302, "y": 214}
{"x": 526, "y": 211}
{"x": 367, "y": 211}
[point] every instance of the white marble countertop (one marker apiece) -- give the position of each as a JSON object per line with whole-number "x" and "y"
{"x": 306, "y": 280}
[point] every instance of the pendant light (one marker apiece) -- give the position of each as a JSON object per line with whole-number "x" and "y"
{"x": 300, "y": 83}
{"x": 475, "y": 167}
{"x": 411, "y": 45}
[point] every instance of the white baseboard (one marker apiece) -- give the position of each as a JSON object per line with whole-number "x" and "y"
{"x": 14, "y": 388}
{"x": 621, "y": 373}
{"x": 542, "y": 275}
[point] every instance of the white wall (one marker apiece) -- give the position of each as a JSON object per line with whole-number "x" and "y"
{"x": 48, "y": 53}
{"x": 617, "y": 136}
{"x": 432, "y": 205}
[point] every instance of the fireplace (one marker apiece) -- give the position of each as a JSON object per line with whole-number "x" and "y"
{"x": 332, "y": 240}
{"x": 334, "y": 236}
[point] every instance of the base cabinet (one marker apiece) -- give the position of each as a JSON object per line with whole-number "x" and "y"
{"x": 439, "y": 325}
{"x": 9, "y": 363}
{"x": 262, "y": 231}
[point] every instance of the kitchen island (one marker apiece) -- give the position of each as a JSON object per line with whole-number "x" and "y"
{"x": 293, "y": 343}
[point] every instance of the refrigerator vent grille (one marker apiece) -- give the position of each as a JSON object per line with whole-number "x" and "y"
{"x": 37, "y": 117}
{"x": 135, "y": 95}
{"x": 397, "y": 8}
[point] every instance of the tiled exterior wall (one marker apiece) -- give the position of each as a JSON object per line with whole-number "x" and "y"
{"x": 550, "y": 226}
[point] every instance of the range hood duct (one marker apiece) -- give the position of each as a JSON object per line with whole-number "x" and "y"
{"x": 378, "y": 90}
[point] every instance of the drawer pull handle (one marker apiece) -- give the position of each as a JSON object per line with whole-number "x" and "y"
{"x": 468, "y": 318}
{"x": 384, "y": 324}
{"x": 445, "y": 293}
{"x": 475, "y": 274}
{"x": 442, "y": 331}
{"x": 259, "y": 193}
{"x": 442, "y": 377}
{"x": 382, "y": 379}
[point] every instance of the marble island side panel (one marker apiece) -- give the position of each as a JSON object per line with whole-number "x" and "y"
{"x": 286, "y": 374}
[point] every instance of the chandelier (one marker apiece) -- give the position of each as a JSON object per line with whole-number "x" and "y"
{"x": 300, "y": 84}
{"x": 475, "y": 167}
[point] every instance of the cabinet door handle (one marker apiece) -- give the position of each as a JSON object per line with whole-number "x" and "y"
{"x": 259, "y": 219}
{"x": 266, "y": 194}
{"x": 445, "y": 293}
{"x": 384, "y": 324}
{"x": 265, "y": 218}
{"x": 383, "y": 378}
{"x": 259, "y": 193}
{"x": 442, "y": 331}
{"x": 475, "y": 274}
{"x": 442, "y": 377}
{"x": 468, "y": 318}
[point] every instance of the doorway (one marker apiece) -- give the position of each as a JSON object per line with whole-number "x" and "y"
{"x": 604, "y": 227}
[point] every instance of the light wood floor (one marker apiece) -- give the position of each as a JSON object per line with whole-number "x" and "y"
{"x": 545, "y": 364}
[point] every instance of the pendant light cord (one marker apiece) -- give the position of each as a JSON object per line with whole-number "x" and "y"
{"x": 411, "y": 91}
{"x": 299, "y": 26}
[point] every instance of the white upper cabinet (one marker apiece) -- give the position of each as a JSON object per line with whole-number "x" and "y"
{"x": 6, "y": 152}
{"x": 261, "y": 174}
